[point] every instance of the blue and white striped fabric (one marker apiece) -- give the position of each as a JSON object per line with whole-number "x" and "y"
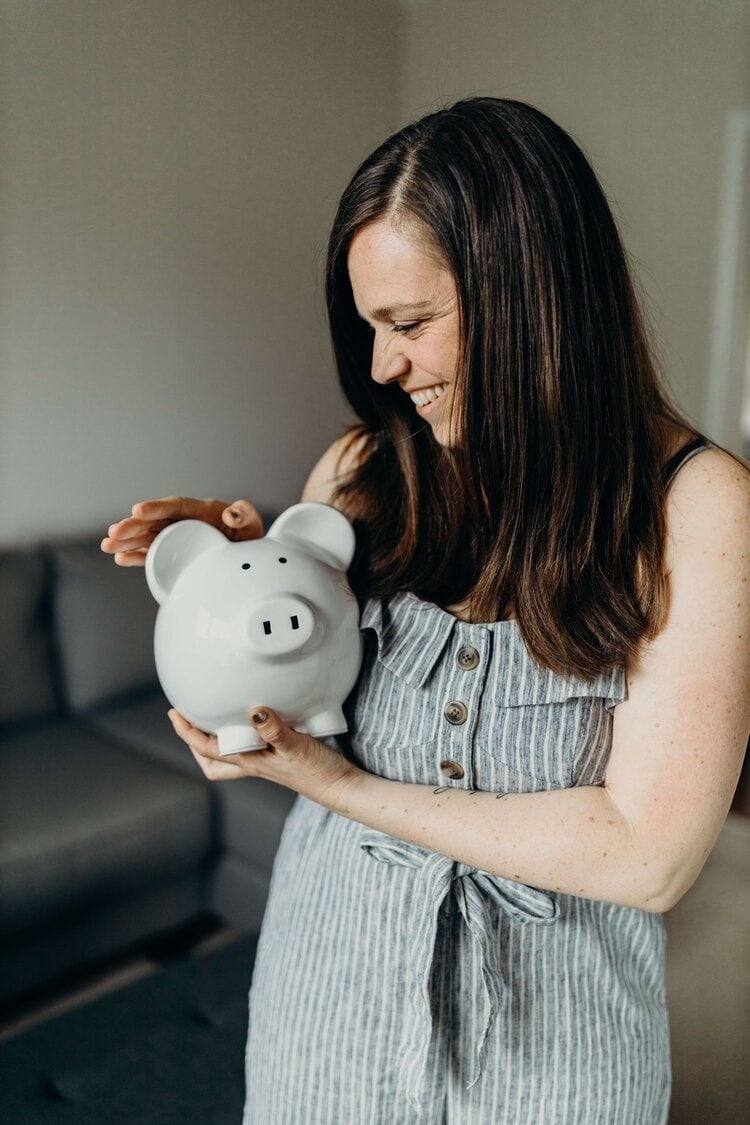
{"x": 393, "y": 986}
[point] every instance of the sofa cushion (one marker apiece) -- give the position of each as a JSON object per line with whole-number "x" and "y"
{"x": 26, "y": 667}
{"x": 251, "y": 811}
{"x": 708, "y": 985}
{"x": 140, "y": 724}
{"x": 104, "y": 625}
{"x": 83, "y": 823}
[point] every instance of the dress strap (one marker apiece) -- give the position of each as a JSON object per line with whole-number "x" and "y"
{"x": 678, "y": 459}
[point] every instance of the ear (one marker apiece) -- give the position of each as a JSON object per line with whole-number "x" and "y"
{"x": 319, "y": 529}
{"x": 175, "y": 548}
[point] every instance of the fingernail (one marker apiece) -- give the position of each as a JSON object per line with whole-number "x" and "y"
{"x": 170, "y": 716}
{"x": 260, "y": 717}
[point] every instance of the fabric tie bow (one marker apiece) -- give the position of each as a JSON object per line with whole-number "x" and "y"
{"x": 473, "y": 890}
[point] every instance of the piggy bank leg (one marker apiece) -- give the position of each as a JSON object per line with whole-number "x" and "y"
{"x": 234, "y": 740}
{"x": 331, "y": 721}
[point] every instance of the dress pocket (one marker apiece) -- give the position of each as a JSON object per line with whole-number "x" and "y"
{"x": 412, "y": 760}
{"x": 552, "y": 730}
{"x": 389, "y": 720}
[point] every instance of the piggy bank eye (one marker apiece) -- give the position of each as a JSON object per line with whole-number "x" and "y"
{"x": 246, "y": 566}
{"x": 282, "y": 560}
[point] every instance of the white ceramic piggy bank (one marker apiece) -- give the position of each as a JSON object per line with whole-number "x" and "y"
{"x": 271, "y": 621}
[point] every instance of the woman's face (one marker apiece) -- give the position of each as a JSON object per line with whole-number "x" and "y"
{"x": 409, "y": 300}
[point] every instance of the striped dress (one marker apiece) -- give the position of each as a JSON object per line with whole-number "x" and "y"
{"x": 394, "y": 986}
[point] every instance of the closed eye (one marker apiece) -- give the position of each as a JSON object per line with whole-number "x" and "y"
{"x": 406, "y": 327}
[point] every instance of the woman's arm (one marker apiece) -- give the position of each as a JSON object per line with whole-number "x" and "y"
{"x": 678, "y": 740}
{"x": 571, "y": 840}
{"x": 338, "y": 460}
{"x": 639, "y": 840}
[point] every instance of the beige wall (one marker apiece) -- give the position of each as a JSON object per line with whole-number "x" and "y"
{"x": 169, "y": 174}
{"x": 643, "y": 86}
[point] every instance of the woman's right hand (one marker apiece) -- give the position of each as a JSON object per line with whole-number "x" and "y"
{"x": 130, "y": 538}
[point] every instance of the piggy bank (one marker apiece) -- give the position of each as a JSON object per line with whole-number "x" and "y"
{"x": 272, "y": 620}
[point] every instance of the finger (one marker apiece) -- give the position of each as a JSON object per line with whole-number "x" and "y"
{"x": 131, "y": 558}
{"x": 206, "y": 745}
{"x": 166, "y": 507}
{"x": 112, "y": 546}
{"x": 173, "y": 508}
{"x": 217, "y": 769}
{"x": 205, "y": 750}
{"x": 133, "y": 526}
{"x": 274, "y": 730}
{"x": 130, "y": 534}
{"x": 244, "y": 519}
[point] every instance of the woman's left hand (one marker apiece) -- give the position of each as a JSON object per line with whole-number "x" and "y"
{"x": 297, "y": 761}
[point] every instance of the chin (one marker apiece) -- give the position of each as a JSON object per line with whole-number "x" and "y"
{"x": 443, "y": 437}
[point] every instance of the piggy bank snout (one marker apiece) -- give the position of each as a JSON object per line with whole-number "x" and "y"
{"x": 280, "y": 626}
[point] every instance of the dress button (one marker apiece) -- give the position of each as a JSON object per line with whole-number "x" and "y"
{"x": 452, "y": 769}
{"x": 467, "y": 658}
{"x": 455, "y": 712}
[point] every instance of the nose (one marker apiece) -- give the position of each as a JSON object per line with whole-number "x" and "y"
{"x": 389, "y": 358}
{"x": 280, "y": 626}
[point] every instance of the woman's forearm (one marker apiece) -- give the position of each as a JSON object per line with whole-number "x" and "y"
{"x": 570, "y": 840}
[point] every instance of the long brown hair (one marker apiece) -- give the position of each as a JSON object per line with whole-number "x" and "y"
{"x": 552, "y": 496}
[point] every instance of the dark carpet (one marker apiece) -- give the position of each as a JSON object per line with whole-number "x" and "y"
{"x": 167, "y": 1049}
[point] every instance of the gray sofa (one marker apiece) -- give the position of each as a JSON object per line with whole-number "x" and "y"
{"x": 109, "y": 832}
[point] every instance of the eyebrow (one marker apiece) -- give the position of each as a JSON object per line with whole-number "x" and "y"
{"x": 387, "y": 311}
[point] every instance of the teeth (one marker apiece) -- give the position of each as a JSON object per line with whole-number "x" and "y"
{"x": 421, "y": 398}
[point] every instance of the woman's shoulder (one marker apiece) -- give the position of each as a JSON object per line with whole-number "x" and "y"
{"x": 695, "y": 465}
{"x": 340, "y": 459}
{"x": 701, "y": 469}
{"x": 708, "y": 500}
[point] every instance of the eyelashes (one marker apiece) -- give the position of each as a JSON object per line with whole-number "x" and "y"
{"x": 402, "y": 328}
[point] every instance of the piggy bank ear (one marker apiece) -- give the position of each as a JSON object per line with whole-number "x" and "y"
{"x": 319, "y": 529}
{"x": 175, "y": 548}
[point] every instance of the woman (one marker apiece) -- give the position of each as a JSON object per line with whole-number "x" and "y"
{"x": 465, "y": 916}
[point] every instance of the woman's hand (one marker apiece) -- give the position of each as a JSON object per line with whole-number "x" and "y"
{"x": 130, "y": 538}
{"x": 297, "y": 761}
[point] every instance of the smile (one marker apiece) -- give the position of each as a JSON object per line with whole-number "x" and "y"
{"x": 428, "y": 395}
